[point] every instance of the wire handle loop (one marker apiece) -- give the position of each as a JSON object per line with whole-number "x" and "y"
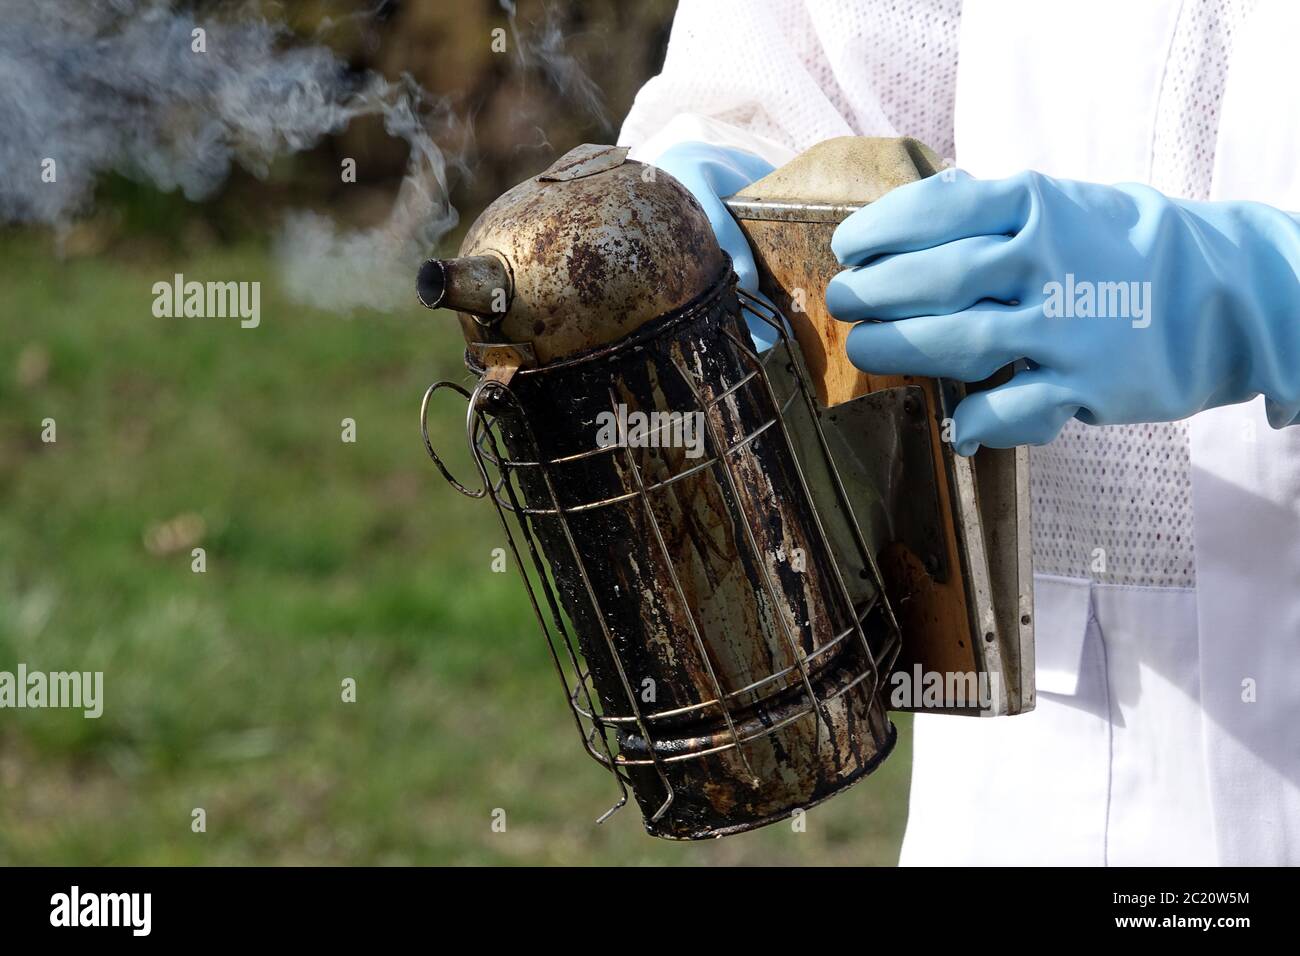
{"x": 428, "y": 444}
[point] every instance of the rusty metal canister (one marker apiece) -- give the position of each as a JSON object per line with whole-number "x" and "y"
{"x": 713, "y": 656}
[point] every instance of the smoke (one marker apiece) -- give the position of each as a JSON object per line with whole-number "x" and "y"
{"x": 332, "y": 268}
{"x": 92, "y": 86}
{"x": 542, "y": 50}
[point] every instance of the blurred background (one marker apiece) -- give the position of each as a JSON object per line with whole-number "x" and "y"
{"x": 325, "y": 559}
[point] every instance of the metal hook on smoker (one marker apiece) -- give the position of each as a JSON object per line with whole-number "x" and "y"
{"x": 428, "y": 445}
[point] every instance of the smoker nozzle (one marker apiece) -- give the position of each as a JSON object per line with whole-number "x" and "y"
{"x": 481, "y": 286}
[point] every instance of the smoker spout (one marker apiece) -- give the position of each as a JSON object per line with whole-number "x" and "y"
{"x": 479, "y": 285}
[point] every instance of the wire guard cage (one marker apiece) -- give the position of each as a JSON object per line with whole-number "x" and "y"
{"x": 715, "y": 657}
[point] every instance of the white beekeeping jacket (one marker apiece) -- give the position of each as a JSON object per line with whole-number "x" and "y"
{"x": 777, "y": 76}
{"x": 1167, "y": 557}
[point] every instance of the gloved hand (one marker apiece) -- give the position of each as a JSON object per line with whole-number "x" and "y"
{"x": 711, "y": 172}
{"x": 1127, "y": 306}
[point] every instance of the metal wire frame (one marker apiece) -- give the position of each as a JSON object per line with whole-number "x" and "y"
{"x": 622, "y": 760}
{"x": 501, "y": 392}
{"x": 720, "y": 451}
{"x": 505, "y": 463}
{"x": 747, "y": 689}
{"x": 481, "y": 424}
{"x": 686, "y": 604}
{"x": 766, "y": 313}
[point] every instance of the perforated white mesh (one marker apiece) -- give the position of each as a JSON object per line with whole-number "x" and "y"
{"x": 1187, "y": 117}
{"x": 1112, "y": 503}
{"x": 801, "y": 72}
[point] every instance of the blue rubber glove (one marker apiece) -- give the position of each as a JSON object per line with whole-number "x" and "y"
{"x": 1127, "y": 306}
{"x": 711, "y": 172}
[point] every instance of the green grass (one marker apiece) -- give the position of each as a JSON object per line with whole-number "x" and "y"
{"x": 325, "y": 560}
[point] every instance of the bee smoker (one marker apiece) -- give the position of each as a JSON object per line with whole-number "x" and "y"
{"x": 954, "y": 549}
{"x": 714, "y": 607}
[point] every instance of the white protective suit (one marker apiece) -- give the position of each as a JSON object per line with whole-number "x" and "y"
{"x": 1167, "y": 557}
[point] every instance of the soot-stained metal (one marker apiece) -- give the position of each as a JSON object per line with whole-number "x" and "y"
{"x": 713, "y": 654}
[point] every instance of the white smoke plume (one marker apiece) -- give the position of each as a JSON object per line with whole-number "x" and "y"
{"x": 541, "y": 48}
{"x": 116, "y": 85}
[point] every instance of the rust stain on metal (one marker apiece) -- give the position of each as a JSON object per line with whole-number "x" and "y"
{"x": 595, "y": 254}
{"x": 676, "y": 571}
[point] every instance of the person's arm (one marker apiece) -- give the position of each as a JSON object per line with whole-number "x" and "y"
{"x": 747, "y": 84}
{"x": 774, "y": 77}
{"x": 733, "y": 76}
{"x": 714, "y": 123}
